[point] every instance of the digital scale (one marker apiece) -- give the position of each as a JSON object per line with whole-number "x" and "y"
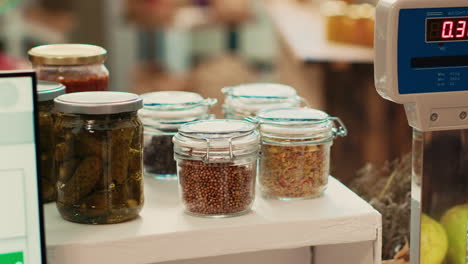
{"x": 21, "y": 225}
{"x": 421, "y": 61}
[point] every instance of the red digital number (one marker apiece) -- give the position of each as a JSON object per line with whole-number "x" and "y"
{"x": 447, "y": 29}
{"x": 461, "y": 29}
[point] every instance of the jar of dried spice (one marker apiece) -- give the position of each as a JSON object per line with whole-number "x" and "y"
{"x": 98, "y": 157}
{"x": 162, "y": 115}
{"x": 295, "y": 158}
{"x": 46, "y": 93}
{"x": 79, "y": 67}
{"x": 217, "y": 165}
{"x": 248, "y": 99}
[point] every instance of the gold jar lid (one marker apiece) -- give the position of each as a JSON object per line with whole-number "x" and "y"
{"x": 67, "y": 54}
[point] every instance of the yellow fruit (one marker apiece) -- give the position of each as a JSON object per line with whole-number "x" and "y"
{"x": 434, "y": 243}
{"x": 455, "y": 224}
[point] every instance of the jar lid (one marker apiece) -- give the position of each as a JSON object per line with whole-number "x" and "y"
{"x": 174, "y": 105}
{"x": 295, "y": 121}
{"x": 217, "y": 138}
{"x": 67, "y": 54}
{"x": 255, "y": 97}
{"x": 47, "y": 91}
{"x": 98, "y": 103}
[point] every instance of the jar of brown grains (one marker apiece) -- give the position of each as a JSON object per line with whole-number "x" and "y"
{"x": 162, "y": 115}
{"x": 80, "y": 67}
{"x": 217, "y": 166}
{"x": 248, "y": 99}
{"x": 295, "y": 158}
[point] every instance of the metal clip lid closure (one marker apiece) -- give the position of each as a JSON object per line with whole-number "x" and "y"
{"x": 216, "y": 140}
{"x": 297, "y": 122}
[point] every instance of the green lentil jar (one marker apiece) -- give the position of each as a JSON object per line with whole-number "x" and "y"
{"x": 46, "y": 92}
{"x": 98, "y": 157}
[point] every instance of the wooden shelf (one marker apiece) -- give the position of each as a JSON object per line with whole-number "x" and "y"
{"x": 302, "y": 28}
{"x": 164, "y": 232}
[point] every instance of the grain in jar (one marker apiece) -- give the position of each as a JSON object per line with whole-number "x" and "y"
{"x": 217, "y": 166}
{"x": 295, "y": 153}
{"x": 98, "y": 157}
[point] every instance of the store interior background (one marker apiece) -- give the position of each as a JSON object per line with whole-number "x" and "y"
{"x": 203, "y": 46}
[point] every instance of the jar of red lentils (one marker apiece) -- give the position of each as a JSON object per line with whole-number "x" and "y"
{"x": 217, "y": 166}
{"x": 80, "y": 67}
{"x": 295, "y": 159}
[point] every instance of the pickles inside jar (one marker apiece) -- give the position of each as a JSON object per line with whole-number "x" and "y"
{"x": 99, "y": 157}
{"x": 46, "y": 92}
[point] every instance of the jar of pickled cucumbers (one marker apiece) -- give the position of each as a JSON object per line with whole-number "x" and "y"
{"x": 98, "y": 157}
{"x": 295, "y": 159}
{"x": 162, "y": 115}
{"x": 46, "y": 93}
{"x": 217, "y": 166}
{"x": 80, "y": 67}
{"x": 248, "y": 99}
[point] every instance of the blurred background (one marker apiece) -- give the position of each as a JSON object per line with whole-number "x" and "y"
{"x": 323, "y": 48}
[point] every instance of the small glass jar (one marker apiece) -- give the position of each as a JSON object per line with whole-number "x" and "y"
{"x": 46, "y": 93}
{"x": 248, "y": 99}
{"x": 217, "y": 166}
{"x": 162, "y": 115}
{"x": 98, "y": 157}
{"x": 295, "y": 159}
{"x": 79, "y": 67}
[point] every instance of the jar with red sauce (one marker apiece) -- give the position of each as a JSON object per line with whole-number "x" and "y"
{"x": 80, "y": 67}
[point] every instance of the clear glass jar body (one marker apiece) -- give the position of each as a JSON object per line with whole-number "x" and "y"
{"x": 158, "y": 154}
{"x": 98, "y": 162}
{"x": 217, "y": 189}
{"x": 294, "y": 169}
{"x": 76, "y": 78}
{"x": 46, "y": 150}
{"x": 161, "y": 124}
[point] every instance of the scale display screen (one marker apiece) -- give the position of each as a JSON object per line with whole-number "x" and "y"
{"x": 447, "y": 29}
{"x": 432, "y": 50}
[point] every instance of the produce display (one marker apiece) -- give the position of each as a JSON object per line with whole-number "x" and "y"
{"x": 294, "y": 171}
{"x": 217, "y": 188}
{"x": 99, "y": 167}
{"x": 434, "y": 243}
{"x": 455, "y": 222}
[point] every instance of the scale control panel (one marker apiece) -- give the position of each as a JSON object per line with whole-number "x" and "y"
{"x": 421, "y": 51}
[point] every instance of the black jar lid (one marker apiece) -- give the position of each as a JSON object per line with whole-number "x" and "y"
{"x": 98, "y": 103}
{"x": 48, "y": 91}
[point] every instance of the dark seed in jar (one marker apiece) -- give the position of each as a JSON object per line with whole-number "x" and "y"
{"x": 216, "y": 189}
{"x": 158, "y": 156}
{"x": 294, "y": 171}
